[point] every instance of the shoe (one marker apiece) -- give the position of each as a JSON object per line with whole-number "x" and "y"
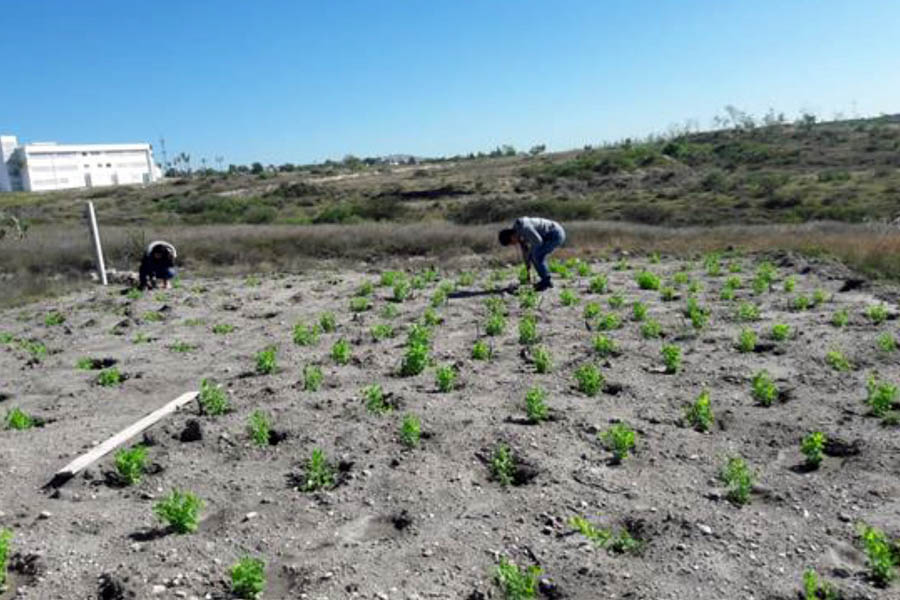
{"x": 542, "y": 285}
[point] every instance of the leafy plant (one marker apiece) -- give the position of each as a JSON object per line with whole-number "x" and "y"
{"x": 713, "y": 265}
{"x": 699, "y": 414}
{"x": 109, "y": 377}
{"x": 590, "y": 379}
{"x": 222, "y": 328}
{"x": 591, "y": 310}
{"x": 445, "y": 378}
{"x": 651, "y": 329}
{"x": 410, "y": 431}
{"x": 152, "y": 317}
{"x": 306, "y": 335}
{"x": 375, "y": 402}
{"x": 388, "y": 278}
{"x": 18, "y": 420}
{"x": 366, "y": 289}
{"x": 667, "y": 294}
{"x": 359, "y": 304}
{"x": 617, "y": 300}
{"x": 840, "y": 318}
{"x": 5, "y": 539}
{"x": 819, "y": 297}
{"x": 84, "y": 363}
{"x": 179, "y": 510}
{"x": 438, "y": 298}
{"x": 260, "y": 428}
{"x": 638, "y": 311}
{"x": 182, "y": 347}
{"x": 763, "y": 388}
{"x": 877, "y": 313}
{"x": 431, "y": 318}
{"x": 739, "y": 479}
{"x": 503, "y": 464}
{"x": 747, "y": 311}
{"x": 266, "y": 362}
{"x": 568, "y": 298}
{"x": 54, "y": 318}
{"x": 694, "y": 287}
{"x": 813, "y": 590}
{"x": 252, "y": 281}
{"x": 401, "y": 289}
{"x": 598, "y": 284}
{"x": 517, "y": 584}
{"x": 327, "y": 322}
{"x": 319, "y": 474}
{"x": 746, "y": 340}
{"x": 130, "y": 464}
{"x": 390, "y": 311}
{"x": 881, "y": 554}
{"x": 312, "y": 378}
{"x": 382, "y": 331}
{"x": 619, "y": 439}
{"x": 495, "y": 324}
{"x": 886, "y": 342}
{"x": 528, "y": 329}
{"x": 248, "y": 578}
{"x": 212, "y": 399}
{"x": 780, "y": 332}
{"x": 415, "y": 360}
{"x": 680, "y": 278}
{"x": 340, "y": 352}
{"x": 789, "y": 283}
{"x": 481, "y": 350}
{"x": 801, "y": 302}
{"x": 647, "y": 280}
{"x": 583, "y": 269}
{"x": 542, "y": 360}
{"x": 603, "y": 345}
{"x": 812, "y": 446}
{"x": 141, "y": 338}
{"x": 528, "y": 299}
{"x": 418, "y": 334}
{"x": 133, "y": 294}
{"x": 727, "y": 293}
{"x": 595, "y": 534}
{"x": 881, "y": 395}
{"x": 465, "y": 279}
{"x": 536, "y": 404}
{"x": 193, "y": 322}
{"x": 837, "y": 361}
{"x": 608, "y": 322}
{"x": 734, "y": 282}
{"x": 671, "y": 355}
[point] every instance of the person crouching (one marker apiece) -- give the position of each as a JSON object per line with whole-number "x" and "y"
{"x": 537, "y": 238}
{"x": 158, "y": 266}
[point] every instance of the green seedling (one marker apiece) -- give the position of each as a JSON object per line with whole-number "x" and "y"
{"x": 388, "y": 278}
{"x": 654, "y": 258}
{"x": 212, "y": 399}
{"x": 747, "y": 311}
{"x": 882, "y": 556}
{"x": 481, "y": 350}
{"x": 495, "y": 305}
{"x": 583, "y": 269}
{"x": 880, "y": 395}
{"x": 699, "y": 414}
{"x": 222, "y": 328}
{"x": 620, "y": 440}
{"x": 812, "y": 446}
{"x": 306, "y": 335}
{"x": 542, "y": 360}
{"x": 680, "y": 278}
{"x": 248, "y": 578}
{"x": 18, "y": 420}
{"x": 763, "y": 388}
{"x": 431, "y": 318}
{"x": 495, "y": 324}
{"x": 590, "y": 379}
{"x": 536, "y": 404}
{"x": 616, "y": 301}
{"x": 410, "y": 431}
{"x": 886, "y": 342}
{"x": 252, "y": 281}
{"x": 503, "y": 464}
{"x": 445, "y": 378}
{"x": 667, "y": 294}
{"x": 746, "y": 340}
{"x": 517, "y": 584}
{"x": 671, "y": 355}
{"x": 598, "y": 284}
{"x": 415, "y": 360}
{"x": 727, "y": 293}
{"x": 130, "y": 464}
{"x": 152, "y": 317}
{"x": 182, "y": 347}
{"x": 366, "y": 289}
{"x": 360, "y": 304}
{"x": 837, "y": 361}
{"x": 651, "y": 329}
{"x": 84, "y": 364}
{"x": 465, "y": 279}
{"x": 780, "y": 332}
{"x": 382, "y": 331}
{"x": 591, "y": 310}
{"x": 877, "y": 313}
{"x": 713, "y": 265}
{"x": 739, "y": 479}
{"x": 734, "y": 282}
{"x": 647, "y": 280}
{"x": 327, "y": 322}
{"x": 621, "y": 265}
{"x": 54, "y": 318}
{"x": 840, "y": 318}
{"x": 375, "y": 402}
{"x": 528, "y": 334}
{"x": 340, "y": 352}
{"x": 5, "y": 539}
{"x": 694, "y": 287}
{"x": 259, "y": 427}
{"x": 789, "y": 284}
{"x": 312, "y": 378}
{"x": 266, "y": 362}
{"x": 6, "y": 337}
{"x": 109, "y": 377}
{"x": 179, "y": 510}
{"x": 418, "y": 334}
{"x": 638, "y": 311}
{"x": 801, "y": 302}
{"x": 319, "y": 474}
{"x": 141, "y": 338}
{"x": 389, "y": 311}
{"x": 194, "y": 322}
{"x": 819, "y": 297}
{"x": 401, "y": 290}
{"x": 595, "y": 534}
{"x": 604, "y": 346}
{"x": 524, "y": 277}
{"x": 528, "y": 299}
{"x": 608, "y": 322}
{"x": 35, "y": 349}
{"x": 761, "y": 285}
{"x": 568, "y": 298}
{"x": 814, "y": 590}
{"x": 438, "y": 298}
{"x": 133, "y": 294}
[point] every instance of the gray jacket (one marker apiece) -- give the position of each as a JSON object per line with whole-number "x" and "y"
{"x": 534, "y": 230}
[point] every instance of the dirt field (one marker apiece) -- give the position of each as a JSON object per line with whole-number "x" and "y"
{"x": 432, "y": 521}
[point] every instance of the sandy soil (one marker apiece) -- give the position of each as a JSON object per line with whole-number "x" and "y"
{"x": 431, "y": 522}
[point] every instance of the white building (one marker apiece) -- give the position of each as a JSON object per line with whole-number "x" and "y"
{"x": 47, "y": 166}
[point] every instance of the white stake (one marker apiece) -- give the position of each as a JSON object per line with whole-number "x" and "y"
{"x": 97, "y": 248}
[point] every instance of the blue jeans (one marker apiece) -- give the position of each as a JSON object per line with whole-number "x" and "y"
{"x": 539, "y": 253}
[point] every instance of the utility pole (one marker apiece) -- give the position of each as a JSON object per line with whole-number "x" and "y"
{"x": 162, "y": 148}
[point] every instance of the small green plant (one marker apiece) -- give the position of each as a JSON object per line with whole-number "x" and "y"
{"x": 528, "y": 299}
{"x": 152, "y": 316}
{"x": 390, "y": 311}
{"x": 837, "y": 361}
{"x": 517, "y": 584}
{"x": 638, "y": 311}
{"x": 375, "y": 402}
{"x": 340, "y": 352}
{"x": 671, "y": 355}
{"x": 595, "y": 534}
{"x": 694, "y": 287}
{"x": 438, "y": 298}
{"x": 5, "y": 539}
{"x": 305, "y": 334}
{"x": 18, "y": 420}
{"x": 465, "y": 279}
{"x": 366, "y": 289}
{"x": 109, "y": 377}
{"x": 620, "y": 440}
{"x": 84, "y": 363}
{"x": 542, "y": 359}
{"x": 54, "y": 318}
{"x": 266, "y": 361}
{"x": 651, "y": 329}
{"x": 319, "y": 474}
{"x": 608, "y": 322}
{"x": 401, "y": 290}
{"x": 603, "y": 345}
{"x": 179, "y": 510}
{"x": 360, "y": 304}
{"x": 252, "y": 281}
{"x": 481, "y": 350}
{"x": 819, "y": 297}
{"x": 882, "y": 556}
{"x": 431, "y": 318}
{"x": 886, "y": 342}
{"x": 598, "y": 284}
{"x": 495, "y": 324}
{"x": 877, "y": 313}
{"x": 133, "y": 294}
{"x": 840, "y": 318}
{"x": 789, "y": 283}
{"x": 591, "y": 310}
{"x": 734, "y": 282}
{"x": 182, "y": 347}
{"x": 6, "y": 337}
{"x": 418, "y": 334}
{"x": 568, "y": 298}
{"x": 747, "y": 311}
{"x": 680, "y": 278}
{"x": 445, "y": 378}
{"x": 222, "y": 328}
{"x": 812, "y": 446}
{"x": 881, "y": 395}
{"x": 388, "y": 278}
{"x": 699, "y": 414}
{"x": 141, "y": 338}
{"x": 528, "y": 330}
{"x": 536, "y": 404}
{"x": 616, "y": 301}
{"x": 590, "y": 379}
{"x": 727, "y": 293}
{"x": 621, "y": 265}
{"x": 410, "y": 431}
{"x": 248, "y": 578}
{"x": 813, "y": 590}
{"x": 763, "y": 388}
{"x": 713, "y": 265}
{"x": 382, "y": 331}
{"x": 312, "y": 378}
{"x": 583, "y": 269}
{"x": 212, "y": 399}
{"x": 801, "y": 302}
{"x": 503, "y": 464}
{"x": 415, "y": 360}
{"x": 130, "y": 464}
{"x": 746, "y": 340}
{"x": 739, "y": 479}
{"x": 667, "y": 294}
{"x": 780, "y": 332}
{"x": 647, "y": 280}
{"x": 197, "y": 322}
{"x": 327, "y": 322}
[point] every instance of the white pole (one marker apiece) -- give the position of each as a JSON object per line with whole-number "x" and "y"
{"x": 97, "y": 248}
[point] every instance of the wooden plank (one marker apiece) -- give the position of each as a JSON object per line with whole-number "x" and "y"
{"x": 85, "y": 460}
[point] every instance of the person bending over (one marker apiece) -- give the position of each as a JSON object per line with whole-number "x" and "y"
{"x": 537, "y": 238}
{"x": 158, "y": 265}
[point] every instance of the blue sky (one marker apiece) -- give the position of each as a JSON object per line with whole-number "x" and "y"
{"x": 290, "y": 81}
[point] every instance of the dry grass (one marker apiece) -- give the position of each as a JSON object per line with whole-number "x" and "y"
{"x": 55, "y": 258}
